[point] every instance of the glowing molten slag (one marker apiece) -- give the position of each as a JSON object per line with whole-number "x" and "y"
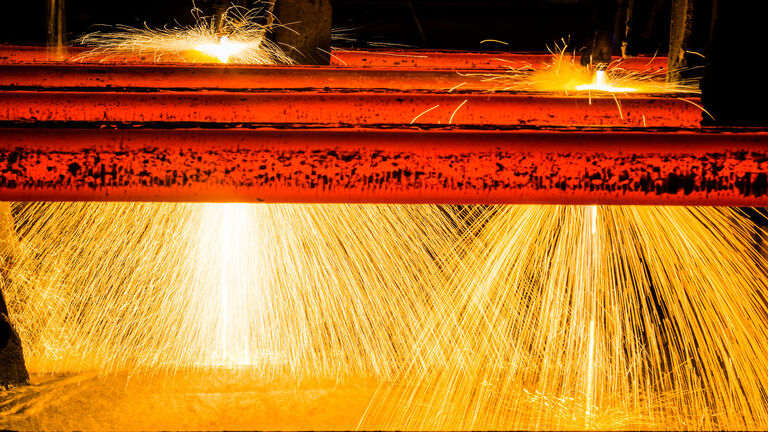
{"x": 601, "y": 84}
{"x": 222, "y": 50}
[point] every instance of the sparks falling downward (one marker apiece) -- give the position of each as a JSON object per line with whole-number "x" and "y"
{"x": 599, "y": 318}
{"x": 592, "y": 278}
{"x": 556, "y": 317}
{"x": 229, "y": 225}
{"x": 311, "y": 289}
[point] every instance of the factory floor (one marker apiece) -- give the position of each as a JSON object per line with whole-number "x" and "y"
{"x": 183, "y": 401}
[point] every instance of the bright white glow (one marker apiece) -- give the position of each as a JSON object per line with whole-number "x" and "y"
{"x": 222, "y": 50}
{"x": 224, "y": 261}
{"x": 601, "y": 84}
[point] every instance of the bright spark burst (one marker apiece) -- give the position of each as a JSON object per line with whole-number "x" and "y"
{"x": 222, "y": 50}
{"x": 244, "y": 40}
{"x": 600, "y": 83}
{"x": 565, "y": 74}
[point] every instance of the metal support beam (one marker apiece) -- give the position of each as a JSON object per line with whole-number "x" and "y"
{"x": 178, "y": 77}
{"x": 304, "y": 31}
{"x": 55, "y": 29}
{"x": 679, "y": 32}
{"x": 385, "y": 166}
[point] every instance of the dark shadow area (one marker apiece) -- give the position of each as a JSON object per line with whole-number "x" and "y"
{"x": 523, "y": 25}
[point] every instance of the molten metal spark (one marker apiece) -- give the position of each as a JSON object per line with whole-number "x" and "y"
{"x": 222, "y": 50}
{"x": 244, "y": 41}
{"x": 225, "y": 249}
{"x": 601, "y": 84}
{"x": 566, "y": 74}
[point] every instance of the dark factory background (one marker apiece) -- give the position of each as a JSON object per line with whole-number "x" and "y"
{"x": 525, "y": 25}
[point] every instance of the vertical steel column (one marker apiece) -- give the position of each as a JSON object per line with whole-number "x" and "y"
{"x": 55, "y": 29}
{"x": 304, "y": 31}
{"x": 679, "y": 32}
{"x": 600, "y": 48}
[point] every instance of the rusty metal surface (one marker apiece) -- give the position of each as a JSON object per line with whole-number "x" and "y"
{"x": 461, "y": 60}
{"x": 181, "y": 77}
{"x": 356, "y": 108}
{"x": 370, "y": 58}
{"x": 379, "y": 166}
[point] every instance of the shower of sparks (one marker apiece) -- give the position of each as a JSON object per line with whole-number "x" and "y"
{"x": 244, "y": 40}
{"x": 573, "y": 318}
{"x": 305, "y": 290}
{"x": 565, "y": 74}
{"x": 537, "y": 317}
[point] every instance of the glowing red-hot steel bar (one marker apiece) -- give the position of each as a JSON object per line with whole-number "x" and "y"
{"x": 185, "y": 77}
{"x": 461, "y": 60}
{"x": 385, "y": 166}
{"x": 454, "y": 60}
{"x": 348, "y": 108}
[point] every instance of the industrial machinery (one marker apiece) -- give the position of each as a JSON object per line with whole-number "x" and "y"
{"x": 389, "y": 126}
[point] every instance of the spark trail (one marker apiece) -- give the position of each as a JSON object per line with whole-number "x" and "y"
{"x": 597, "y": 318}
{"x": 301, "y": 289}
{"x": 564, "y": 74}
{"x": 557, "y": 317}
{"x": 242, "y": 39}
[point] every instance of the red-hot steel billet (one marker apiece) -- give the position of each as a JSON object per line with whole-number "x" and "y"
{"x": 195, "y": 77}
{"x": 350, "y": 108}
{"x": 453, "y": 60}
{"x": 385, "y": 166}
{"x": 460, "y": 60}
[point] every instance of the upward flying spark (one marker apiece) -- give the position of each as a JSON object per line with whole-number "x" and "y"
{"x": 244, "y": 40}
{"x": 564, "y": 74}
